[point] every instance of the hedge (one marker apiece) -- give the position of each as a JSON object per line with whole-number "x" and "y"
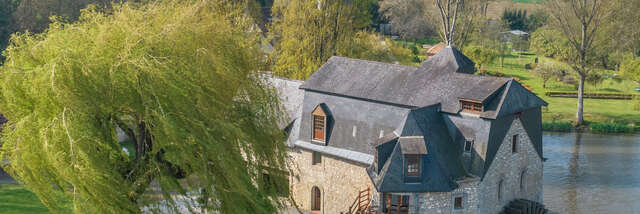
{"x": 599, "y": 95}
{"x": 557, "y": 126}
{"x": 609, "y": 128}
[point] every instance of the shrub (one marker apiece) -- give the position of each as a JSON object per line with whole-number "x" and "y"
{"x": 569, "y": 80}
{"x": 557, "y": 126}
{"x": 530, "y": 66}
{"x": 609, "y": 128}
{"x": 414, "y": 50}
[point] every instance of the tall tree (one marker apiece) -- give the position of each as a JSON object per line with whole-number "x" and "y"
{"x": 449, "y": 13}
{"x": 459, "y": 19}
{"x": 580, "y": 21}
{"x": 179, "y": 79}
{"x": 308, "y": 32}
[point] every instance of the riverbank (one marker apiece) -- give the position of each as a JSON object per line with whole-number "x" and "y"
{"x": 563, "y": 109}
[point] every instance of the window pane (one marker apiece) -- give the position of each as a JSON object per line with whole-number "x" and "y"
{"x": 317, "y": 158}
{"x": 468, "y": 144}
{"x": 413, "y": 165}
{"x": 458, "y": 203}
{"x": 318, "y": 127}
{"x": 514, "y": 144}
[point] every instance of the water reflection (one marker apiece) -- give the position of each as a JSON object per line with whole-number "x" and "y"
{"x": 588, "y": 173}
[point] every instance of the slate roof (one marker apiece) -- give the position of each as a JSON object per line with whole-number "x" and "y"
{"x": 441, "y": 165}
{"x": 413, "y": 145}
{"x": 442, "y": 79}
{"x": 380, "y": 112}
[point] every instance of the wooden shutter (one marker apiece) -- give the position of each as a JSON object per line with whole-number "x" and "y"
{"x": 317, "y": 197}
{"x": 319, "y": 124}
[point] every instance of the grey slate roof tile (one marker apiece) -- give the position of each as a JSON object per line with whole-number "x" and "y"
{"x": 413, "y": 145}
{"x": 337, "y": 152}
{"x": 443, "y": 79}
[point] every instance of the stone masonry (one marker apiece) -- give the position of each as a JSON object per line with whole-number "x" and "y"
{"x": 509, "y": 167}
{"x": 339, "y": 181}
{"x": 442, "y": 202}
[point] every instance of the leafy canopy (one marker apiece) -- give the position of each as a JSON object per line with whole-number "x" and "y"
{"x": 630, "y": 69}
{"x": 480, "y": 55}
{"x": 178, "y": 77}
{"x": 308, "y": 32}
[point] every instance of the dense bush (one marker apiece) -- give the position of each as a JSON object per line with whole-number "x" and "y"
{"x": 530, "y": 66}
{"x": 557, "y": 126}
{"x": 609, "y": 128}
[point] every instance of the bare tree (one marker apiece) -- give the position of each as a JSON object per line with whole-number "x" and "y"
{"x": 580, "y": 20}
{"x": 459, "y": 19}
{"x": 449, "y": 10}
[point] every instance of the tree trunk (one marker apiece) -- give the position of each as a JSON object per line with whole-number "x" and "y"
{"x": 579, "y": 113}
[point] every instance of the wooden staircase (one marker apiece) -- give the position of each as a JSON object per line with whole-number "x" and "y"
{"x": 362, "y": 203}
{"x": 524, "y": 206}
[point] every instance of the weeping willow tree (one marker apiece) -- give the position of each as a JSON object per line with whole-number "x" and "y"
{"x": 178, "y": 78}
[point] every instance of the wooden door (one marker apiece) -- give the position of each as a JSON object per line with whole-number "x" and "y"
{"x": 316, "y": 199}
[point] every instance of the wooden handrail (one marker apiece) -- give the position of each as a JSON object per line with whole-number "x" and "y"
{"x": 362, "y": 202}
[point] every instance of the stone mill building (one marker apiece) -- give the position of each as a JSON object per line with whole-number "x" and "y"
{"x": 434, "y": 138}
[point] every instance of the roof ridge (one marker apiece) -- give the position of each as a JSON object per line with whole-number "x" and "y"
{"x": 374, "y": 62}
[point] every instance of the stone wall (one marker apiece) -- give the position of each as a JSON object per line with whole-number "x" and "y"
{"x": 339, "y": 181}
{"x": 442, "y": 202}
{"x": 508, "y": 168}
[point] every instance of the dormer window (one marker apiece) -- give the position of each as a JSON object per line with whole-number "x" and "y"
{"x": 319, "y": 124}
{"x": 468, "y": 145}
{"x": 470, "y": 105}
{"x": 412, "y": 165}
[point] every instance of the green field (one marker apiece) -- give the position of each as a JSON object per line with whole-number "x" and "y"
{"x": 16, "y": 199}
{"x": 563, "y": 109}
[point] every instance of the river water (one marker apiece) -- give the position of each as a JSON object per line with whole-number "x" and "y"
{"x": 590, "y": 173}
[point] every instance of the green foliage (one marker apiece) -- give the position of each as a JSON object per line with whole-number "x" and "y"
{"x": 546, "y": 70}
{"x": 594, "y": 79}
{"x": 557, "y": 126}
{"x": 179, "y": 77}
{"x": 516, "y": 18}
{"x": 609, "y": 128}
{"x": 366, "y": 45}
{"x": 630, "y": 69}
{"x": 308, "y": 33}
{"x": 552, "y": 43}
{"x": 596, "y": 110}
{"x": 480, "y": 55}
{"x": 537, "y": 20}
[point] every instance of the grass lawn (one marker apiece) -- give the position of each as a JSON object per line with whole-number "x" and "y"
{"x": 17, "y": 199}
{"x": 564, "y": 109}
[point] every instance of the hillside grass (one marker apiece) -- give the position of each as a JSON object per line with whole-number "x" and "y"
{"x": 564, "y": 109}
{"x": 496, "y": 8}
{"x": 16, "y": 199}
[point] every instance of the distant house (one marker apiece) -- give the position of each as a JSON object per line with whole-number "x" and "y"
{"x": 401, "y": 139}
{"x": 515, "y": 36}
{"x": 435, "y": 49}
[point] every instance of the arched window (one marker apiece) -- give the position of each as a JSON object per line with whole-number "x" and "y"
{"x": 523, "y": 180}
{"x": 500, "y": 190}
{"x": 316, "y": 199}
{"x": 319, "y": 124}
